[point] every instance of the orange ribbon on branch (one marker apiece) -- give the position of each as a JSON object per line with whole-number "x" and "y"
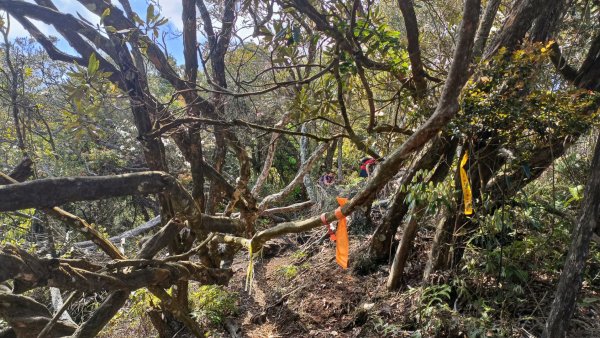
{"x": 341, "y": 234}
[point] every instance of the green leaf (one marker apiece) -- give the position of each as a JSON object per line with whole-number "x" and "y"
{"x": 576, "y": 192}
{"x": 162, "y": 21}
{"x": 105, "y": 13}
{"x": 93, "y": 64}
{"x": 150, "y": 13}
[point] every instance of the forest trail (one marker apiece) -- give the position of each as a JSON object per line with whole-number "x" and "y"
{"x": 464, "y": 134}
{"x": 306, "y": 294}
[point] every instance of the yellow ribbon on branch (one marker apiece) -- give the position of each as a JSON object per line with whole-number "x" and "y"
{"x": 466, "y": 186}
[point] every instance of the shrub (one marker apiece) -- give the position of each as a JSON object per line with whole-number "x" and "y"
{"x": 213, "y": 302}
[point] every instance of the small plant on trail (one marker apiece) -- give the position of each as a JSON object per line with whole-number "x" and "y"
{"x": 290, "y": 272}
{"x": 435, "y": 316}
{"x": 435, "y": 295}
{"x": 299, "y": 254}
{"x": 386, "y": 329}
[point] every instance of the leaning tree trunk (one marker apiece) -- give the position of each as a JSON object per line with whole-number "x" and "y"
{"x": 455, "y": 228}
{"x": 410, "y": 231}
{"x": 571, "y": 277}
{"x": 443, "y": 149}
{"x": 417, "y": 214}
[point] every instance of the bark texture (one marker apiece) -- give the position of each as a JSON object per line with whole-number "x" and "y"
{"x": 51, "y": 192}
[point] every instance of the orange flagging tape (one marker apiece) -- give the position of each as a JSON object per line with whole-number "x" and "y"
{"x": 341, "y": 233}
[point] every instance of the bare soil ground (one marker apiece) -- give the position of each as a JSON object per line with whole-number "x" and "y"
{"x": 323, "y": 300}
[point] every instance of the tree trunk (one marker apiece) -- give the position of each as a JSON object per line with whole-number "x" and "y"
{"x": 441, "y": 150}
{"x": 328, "y": 162}
{"x": 417, "y": 213}
{"x": 14, "y": 92}
{"x": 438, "y": 258}
{"x": 340, "y": 164}
{"x": 304, "y": 151}
{"x": 410, "y": 231}
{"x": 440, "y": 246}
{"x": 485, "y": 26}
{"x": 571, "y": 277}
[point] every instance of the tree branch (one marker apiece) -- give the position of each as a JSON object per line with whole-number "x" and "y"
{"x": 188, "y": 16}
{"x": 414, "y": 51}
{"x": 296, "y": 181}
{"x": 51, "y": 192}
{"x": 485, "y": 26}
{"x": 26, "y": 316}
{"x": 60, "y": 274}
{"x": 264, "y": 173}
{"x": 516, "y": 25}
{"x": 288, "y": 208}
{"x": 20, "y": 173}
{"x": 69, "y": 27}
{"x": 446, "y": 109}
{"x": 236, "y": 122}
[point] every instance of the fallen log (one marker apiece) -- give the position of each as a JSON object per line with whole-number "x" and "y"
{"x": 51, "y": 192}
{"x": 27, "y": 318}
{"x": 140, "y": 230}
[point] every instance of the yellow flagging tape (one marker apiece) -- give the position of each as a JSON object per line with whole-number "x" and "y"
{"x": 466, "y": 186}
{"x": 250, "y": 273}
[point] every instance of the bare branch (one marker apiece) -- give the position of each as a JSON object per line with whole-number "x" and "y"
{"x": 57, "y": 315}
{"x": 296, "y": 181}
{"x": 236, "y": 122}
{"x": 26, "y": 316}
{"x": 57, "y": 273}
{"x": 347, "y": 125}
{"x": 69, "y": 27}
{"x": 188, "y": 16}
{"x": 288, "y": 209}
{"x": 102, "y": 315}
{"x": 20, "y": 173}
{"x": 369, "y": 92}
{"x": 80, "y": 225}
{"x": 264, "y": 173}
{"x": 140, "y": 230}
